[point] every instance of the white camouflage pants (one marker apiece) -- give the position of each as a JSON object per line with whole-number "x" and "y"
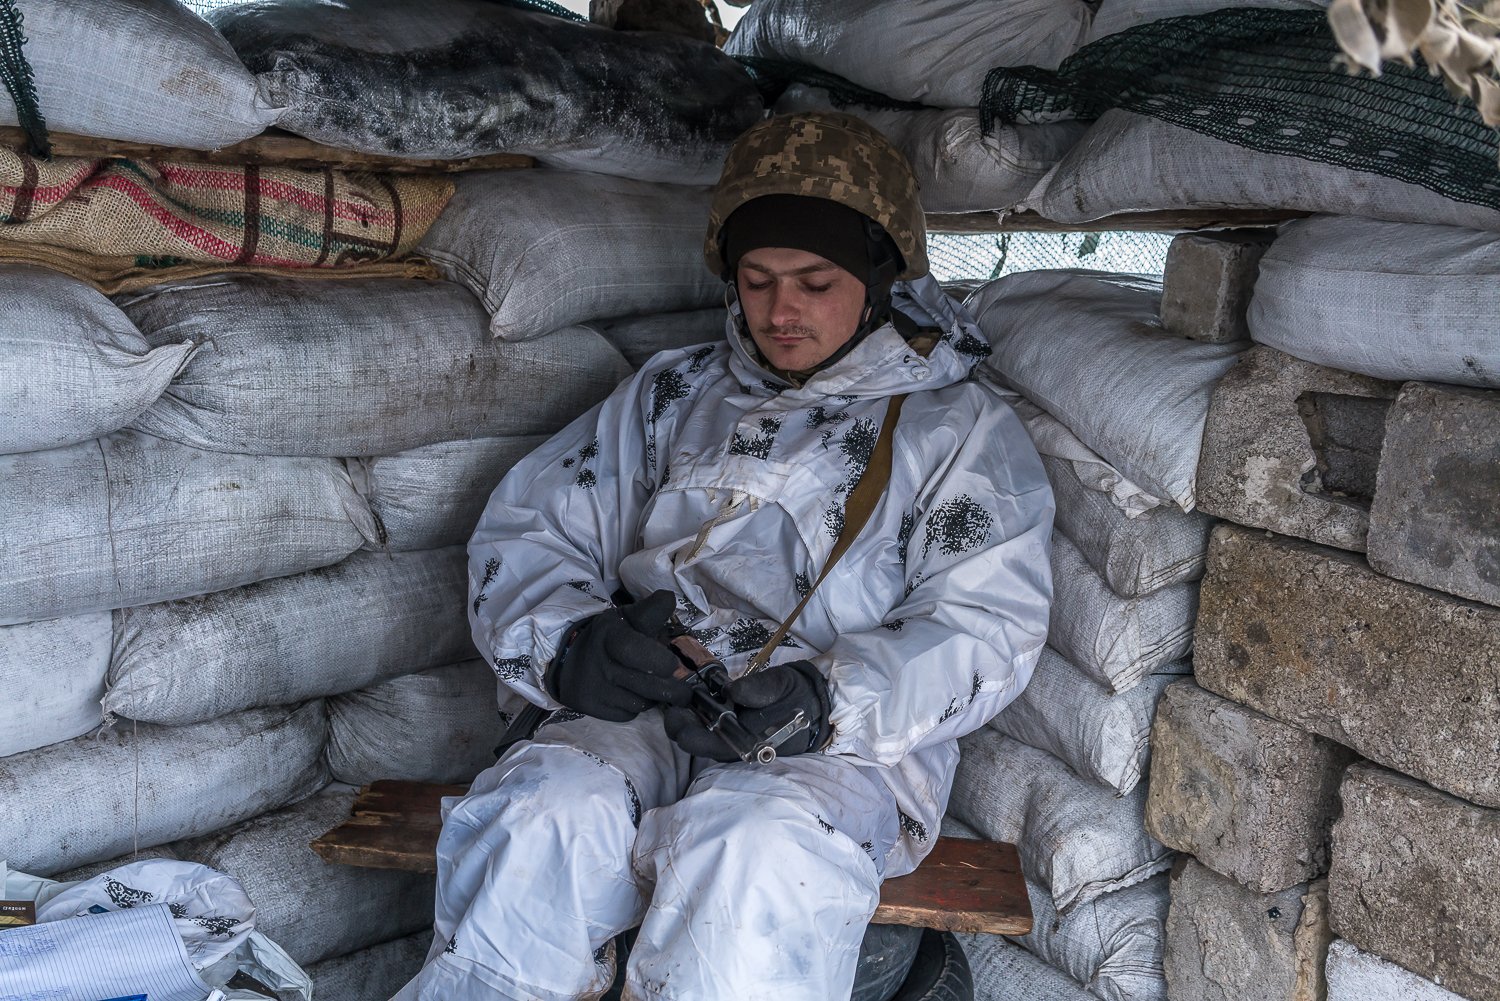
{"x": 748, "y": 881}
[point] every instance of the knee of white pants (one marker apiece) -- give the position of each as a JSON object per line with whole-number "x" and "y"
{"x": 753, "y": 895}
{"x": 534, "y": 869}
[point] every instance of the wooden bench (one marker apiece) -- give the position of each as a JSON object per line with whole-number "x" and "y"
{"x": 964, "y": 885}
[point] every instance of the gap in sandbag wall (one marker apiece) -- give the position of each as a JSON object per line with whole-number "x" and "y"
{"x": 969, "y": 257}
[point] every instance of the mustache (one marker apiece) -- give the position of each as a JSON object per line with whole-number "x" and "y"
{"x": 793, "y": 331}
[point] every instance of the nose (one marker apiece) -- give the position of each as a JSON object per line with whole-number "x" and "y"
{"x": 785, "y": 309}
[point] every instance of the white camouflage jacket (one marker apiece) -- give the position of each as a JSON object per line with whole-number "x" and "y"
{"x": 706, "y": 475}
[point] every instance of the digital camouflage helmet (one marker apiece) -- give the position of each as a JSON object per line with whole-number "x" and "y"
{"x": 822, "y": 154}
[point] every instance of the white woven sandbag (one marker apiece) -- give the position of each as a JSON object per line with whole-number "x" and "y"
{"x": 301, "y": 367}
{"x": 129, "y": 519}
{"x": 432, "y": 496}
{"x": 373, "y": 616}
{"x": 1356, "y": 975}
{"x": 148, "y": 71}
{"x": 1116, "y": 641}
{"x": 1135, "y": 555}
{"x": 1385, "y": 299}
{"x": 1078, "y": 840}
{"x": 371, "y": 974}
{"x": 89, "y": 799}
{"x": 640, "y": 337}
{"x": 51, "y": 680}
{"x": 1003, "y": 971}
{"x": 935, "y": 52}
{"x": 313, "y": 909}
{"x": 439, "y": 725}
{"x": 1113, "y": 944}
{"x": 1113, "y": 16}
{"x": 1052, "y": 438}
{"x": 1088, "y": 347}
{"x": 958, "y": 167}
{"x": 546, "y": 248}
{"x": 1103, "y": 737}
{"x": 1133, "y": 163}
{"x": 72, "y": 366}
{"x": 459, "y": 78}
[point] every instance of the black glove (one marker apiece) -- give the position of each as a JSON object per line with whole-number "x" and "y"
{"x": 764, "y": 702}
{"x": 616, "y": 664}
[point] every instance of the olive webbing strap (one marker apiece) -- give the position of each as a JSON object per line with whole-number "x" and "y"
{"x": 857, "y": 508}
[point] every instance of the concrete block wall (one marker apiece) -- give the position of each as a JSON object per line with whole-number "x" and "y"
{"x": 1333, "y": 768}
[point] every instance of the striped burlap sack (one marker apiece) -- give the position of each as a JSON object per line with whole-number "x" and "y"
{"x": 177, "y": 213}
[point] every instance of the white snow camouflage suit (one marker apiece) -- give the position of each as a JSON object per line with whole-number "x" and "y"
{"x": 706, "y": 475}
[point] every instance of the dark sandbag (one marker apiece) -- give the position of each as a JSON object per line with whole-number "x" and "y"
{"x": 459, "y": 78}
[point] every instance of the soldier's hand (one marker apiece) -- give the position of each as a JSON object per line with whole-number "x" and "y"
{"x": 764, "y": 702}
{"x": 616, "y": 664}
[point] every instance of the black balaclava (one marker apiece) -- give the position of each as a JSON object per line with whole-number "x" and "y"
{"x": 833, "y": 231}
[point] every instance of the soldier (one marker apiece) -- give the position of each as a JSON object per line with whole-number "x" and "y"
{"x": 714, "y": 488}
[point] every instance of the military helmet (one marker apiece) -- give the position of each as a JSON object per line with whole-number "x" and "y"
{"x": 822, "y": 154}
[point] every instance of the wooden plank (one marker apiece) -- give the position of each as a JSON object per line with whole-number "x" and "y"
{"x": 1169, "y": 221}
{"x": 271, "y": 148}
{"x": 963, "y": 885}
{"x": 394, "y": 825}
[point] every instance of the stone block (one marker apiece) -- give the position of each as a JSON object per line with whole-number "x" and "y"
{"x": 1251, "y": 797}
{"x": 1208, "y": 281}
{"x": 1436, "y": 516}
{"x": 1356, "y": 975}
{"x": 1313, "y": 637}
{"x": 1228, "y": 943}
{"x": 1293, "y": 447}
{"x": 1413, "y": 880}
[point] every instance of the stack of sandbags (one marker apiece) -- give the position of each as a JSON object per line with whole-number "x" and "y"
{"x": 98, "y": 516}
{"x": 915, "y": 71}
{"x": 188, "y": 484}
{"x": 1353, "y": 611}
{"x": 464, "y": 78}
{"x": 1113, "y": 382}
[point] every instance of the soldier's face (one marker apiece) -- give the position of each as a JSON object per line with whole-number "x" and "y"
{"x": 800, "y": 307}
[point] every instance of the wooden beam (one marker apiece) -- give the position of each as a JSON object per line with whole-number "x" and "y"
{"x": 1168, "y": 221}
{"x": 271, "y": 148}
{"x": 963, "y": 885}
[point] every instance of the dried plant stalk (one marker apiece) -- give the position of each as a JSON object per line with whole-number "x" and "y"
{"x": 1459, "y": 41}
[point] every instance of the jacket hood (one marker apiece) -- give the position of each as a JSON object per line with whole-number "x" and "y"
{"x": 883, "y": 364}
